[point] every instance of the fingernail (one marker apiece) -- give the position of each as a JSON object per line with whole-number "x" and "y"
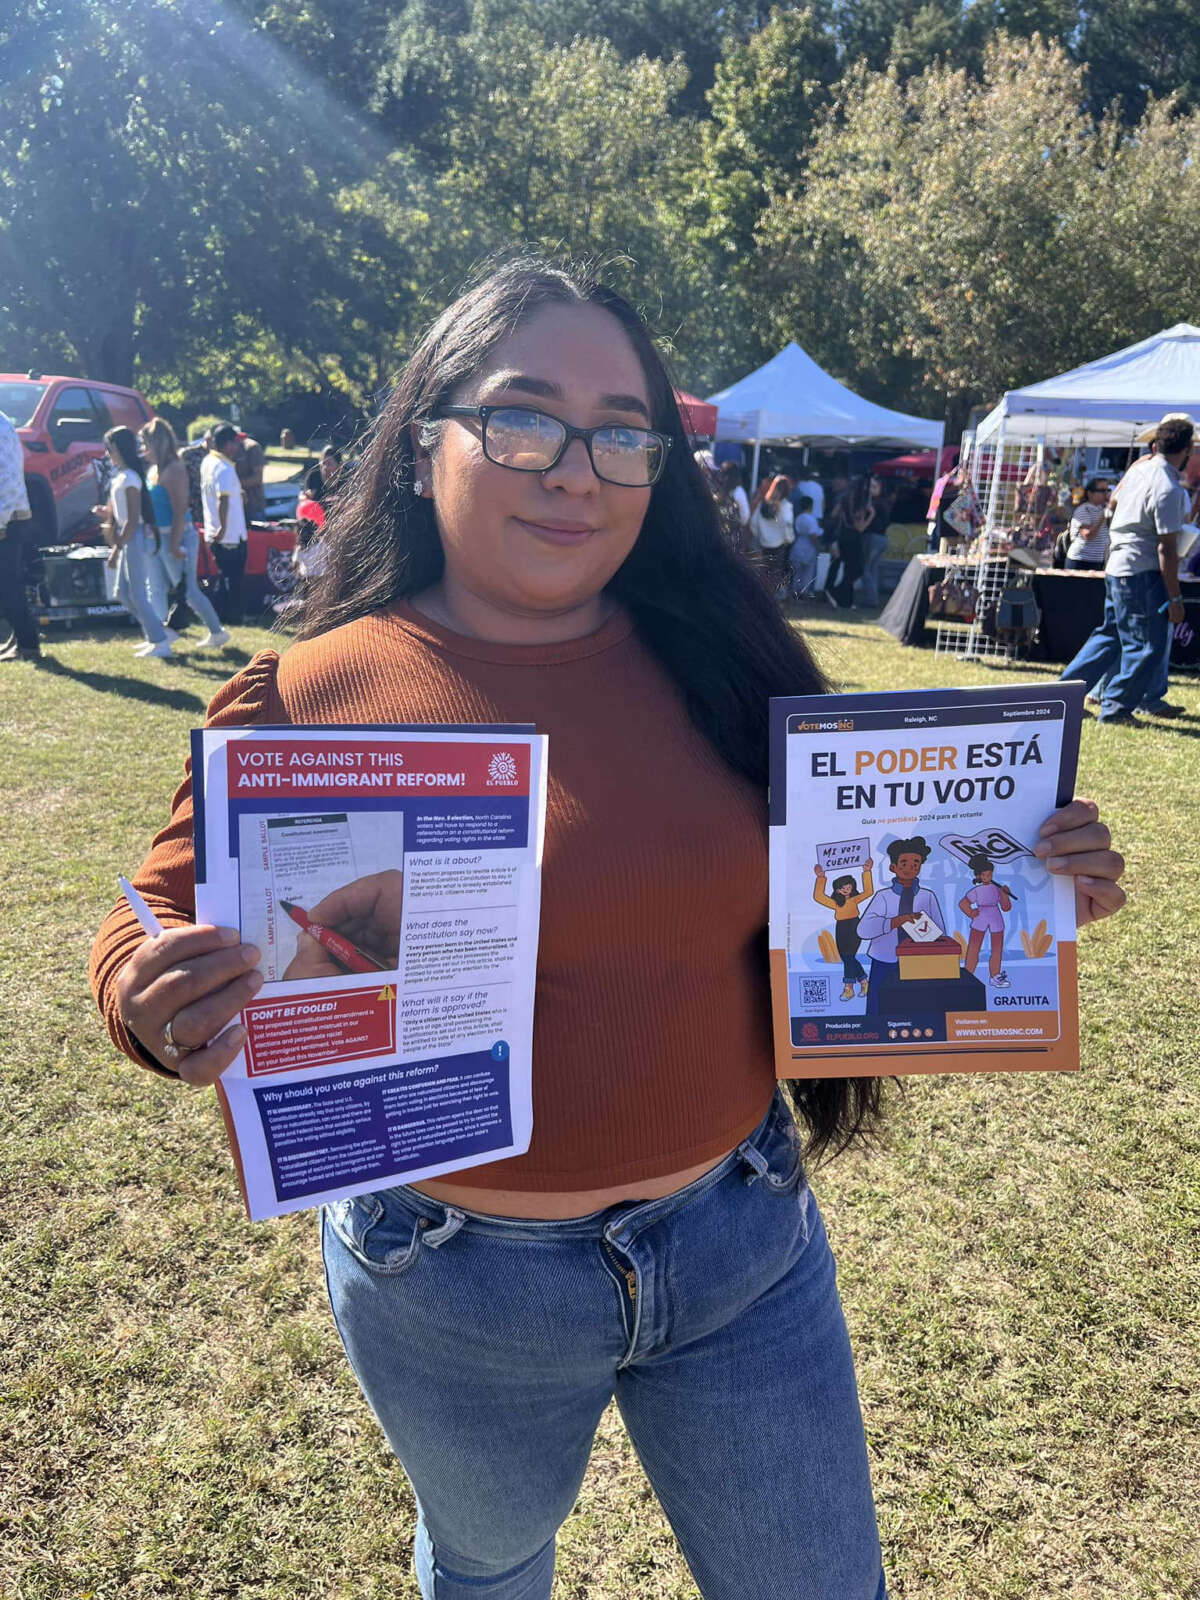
{"x": 249, "y": 954}
{"x": 1043, "y": 848}
{"x": 1056, "y": 863}
{"x": 1046, "y": 829}
{"x": 228, "y": 935}
{"x": 256, "y": 981}
{"x": 237, "y": 1036}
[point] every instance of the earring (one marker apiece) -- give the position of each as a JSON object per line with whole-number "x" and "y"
{"x": 418, "y": 487}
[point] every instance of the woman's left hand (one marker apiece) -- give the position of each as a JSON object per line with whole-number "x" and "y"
{"x": 1075, "y": 843}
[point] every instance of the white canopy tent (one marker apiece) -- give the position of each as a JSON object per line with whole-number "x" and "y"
{"x": 1105, "y": 402}
{"x": 791, "y": 400}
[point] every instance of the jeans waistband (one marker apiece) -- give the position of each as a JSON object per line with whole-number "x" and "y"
{"x": 774, "y": 1140}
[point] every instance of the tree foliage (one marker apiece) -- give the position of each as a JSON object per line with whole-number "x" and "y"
{"x": 247, "y": 198}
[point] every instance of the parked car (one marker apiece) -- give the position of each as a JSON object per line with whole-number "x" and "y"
{"x": 61, "y": 423}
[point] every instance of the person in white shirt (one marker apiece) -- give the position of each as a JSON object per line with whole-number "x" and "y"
{"x": 225, "y": 518}
{"x": 14, "y": 515}
{"x": 815, "y": 492}
{"x": 730, "y": 480}
{"x": 1087, "y": 550}
{"x": 771, "y": 525}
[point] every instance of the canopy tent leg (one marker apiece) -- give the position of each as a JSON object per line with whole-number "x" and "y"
{"x": 989, "y": 521}
{"x": 754, "y": 467}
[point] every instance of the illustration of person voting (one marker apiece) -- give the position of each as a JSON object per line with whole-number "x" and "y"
{"x": 845, "y": 902}
{"x": 985, "y": 902}
{"x": 903, "y": 902}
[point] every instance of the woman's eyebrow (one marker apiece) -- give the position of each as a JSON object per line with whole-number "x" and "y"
{"x": 546, "y": 390}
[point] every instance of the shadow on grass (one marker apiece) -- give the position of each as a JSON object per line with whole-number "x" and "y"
{"x": 130, "y": 688}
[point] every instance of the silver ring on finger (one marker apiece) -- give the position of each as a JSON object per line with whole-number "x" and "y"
{"x": 172, "y": 1050}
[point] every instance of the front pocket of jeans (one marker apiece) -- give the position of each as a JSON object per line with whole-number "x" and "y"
{"x": 384, "y": 1238}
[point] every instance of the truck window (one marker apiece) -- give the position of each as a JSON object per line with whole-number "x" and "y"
{"x": 75, "y": 406}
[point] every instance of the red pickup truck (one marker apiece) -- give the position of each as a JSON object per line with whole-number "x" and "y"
{"x": 61, "y": 423}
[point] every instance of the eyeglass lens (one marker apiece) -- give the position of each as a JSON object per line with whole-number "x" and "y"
{"x": 530, "y": 441}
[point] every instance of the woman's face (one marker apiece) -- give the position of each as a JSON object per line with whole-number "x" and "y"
{"x": 985, "y": 874}
{"x": 537, "y": 545}
{"x": 330, "y": 467}
{"x": 114, "y": 455}
{"x": 876, "y": 487}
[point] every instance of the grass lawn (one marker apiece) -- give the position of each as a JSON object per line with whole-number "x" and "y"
{"x": 1020, "y": 1262}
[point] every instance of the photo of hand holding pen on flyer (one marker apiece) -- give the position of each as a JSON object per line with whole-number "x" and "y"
{"x": 355, "y": 928}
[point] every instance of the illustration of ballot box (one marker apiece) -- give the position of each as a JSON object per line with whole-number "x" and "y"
{"x": 929, "y": 958}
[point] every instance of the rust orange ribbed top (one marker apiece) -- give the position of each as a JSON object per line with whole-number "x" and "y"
{"x": 652, "y": 1048}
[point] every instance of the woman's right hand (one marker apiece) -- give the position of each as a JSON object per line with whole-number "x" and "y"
{"x": 197, "y": 979}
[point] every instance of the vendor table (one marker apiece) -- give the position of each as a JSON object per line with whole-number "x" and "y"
{"x": 1071, "y": 604}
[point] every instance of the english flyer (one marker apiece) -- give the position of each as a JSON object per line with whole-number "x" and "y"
{"x": 391, "y": 878}
{"x": 912, "y": 928}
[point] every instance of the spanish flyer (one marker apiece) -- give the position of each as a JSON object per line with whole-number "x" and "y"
{"x": 912, "y": 929}
{"x": 391, "y": 878}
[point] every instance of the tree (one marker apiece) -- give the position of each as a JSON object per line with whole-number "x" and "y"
{"x": 960, "y": 225}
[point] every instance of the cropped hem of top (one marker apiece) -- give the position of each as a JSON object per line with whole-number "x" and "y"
{"x": 652, "y": 1044}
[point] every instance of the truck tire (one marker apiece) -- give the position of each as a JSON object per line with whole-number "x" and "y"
{"x": 43, "y": 529}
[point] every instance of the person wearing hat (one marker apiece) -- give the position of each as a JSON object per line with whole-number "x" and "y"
{"x": 1142, "y": 599}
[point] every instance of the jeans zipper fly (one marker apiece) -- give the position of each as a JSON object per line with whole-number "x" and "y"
{"x": 627, "y": 1273}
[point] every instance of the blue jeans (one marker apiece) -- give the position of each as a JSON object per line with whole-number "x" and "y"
{"x": 489, "y": 1347}
{"x": 803, "y": 559}
{"x": 1129, "y": 649}
{"x": 875, "y": 547}
{"x": 170, "y": 570}
{"x": 133, "y": 583}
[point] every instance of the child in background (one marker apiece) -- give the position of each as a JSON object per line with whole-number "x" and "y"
{"x": 803, "y": 553}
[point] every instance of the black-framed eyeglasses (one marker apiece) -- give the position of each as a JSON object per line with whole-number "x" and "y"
{"x": 526, "y": 440}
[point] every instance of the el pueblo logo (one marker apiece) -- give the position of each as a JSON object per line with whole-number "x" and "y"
{"x": 502, "y": 769}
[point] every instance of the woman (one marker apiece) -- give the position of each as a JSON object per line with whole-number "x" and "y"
{"x": 1087, "y": 536}
{"x": 733, "y": 487}
{"x": 180, "y": 546}
{"x": 308, "y": 557}
{"x": 527, "y": 538}
{"x": 848, "y": 524}
{"x": 875, "y": 541}
{"x": 772, "y": 531}
{"x": 846, "y": 902}
{"x": 129, "y": 527}
{"x": 986, "y": 903}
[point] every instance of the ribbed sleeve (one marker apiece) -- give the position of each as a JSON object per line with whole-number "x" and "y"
{"x": 166, "y": 879}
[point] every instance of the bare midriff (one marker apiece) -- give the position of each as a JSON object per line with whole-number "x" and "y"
{"x": 557, "y": 1207}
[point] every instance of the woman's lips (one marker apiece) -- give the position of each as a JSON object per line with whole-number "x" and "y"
{"x": 564, "y": 532}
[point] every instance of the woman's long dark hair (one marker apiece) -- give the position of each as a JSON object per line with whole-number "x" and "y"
{"x": 697, "y": 606}
{"x": 125, "y": 442}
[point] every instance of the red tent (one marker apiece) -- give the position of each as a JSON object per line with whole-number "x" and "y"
{"x": 699, "y": 418}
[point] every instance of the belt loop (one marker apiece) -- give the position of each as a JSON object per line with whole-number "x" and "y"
{"x": 436, "y": 1236}
{"x": 753, "y": 1158}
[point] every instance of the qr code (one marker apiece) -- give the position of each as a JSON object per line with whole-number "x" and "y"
{"x": 814, "y": 991}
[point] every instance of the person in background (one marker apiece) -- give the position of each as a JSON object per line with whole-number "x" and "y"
{"x": 130, "y": 529}
{"x": 1142, "y": 599}
{"x": 875, "y": 542}
{"x": 308, "y": 558}
{"x": 847, "y": 524}
{"x": 772, "y": 531}
{"x": 332, "y": 463}
{"x": 225, "y": 516}
{"x": 803, "y": 553}
{"x": 1087, "y": 536}
{"x": 251, "y": 461}
{"x": 14, "y": 515}
{"x": 180, "y": 540}
{"x": 192, "y": 455}
{"x": 730, "y": 479}
{"x": 812, "y": 488}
